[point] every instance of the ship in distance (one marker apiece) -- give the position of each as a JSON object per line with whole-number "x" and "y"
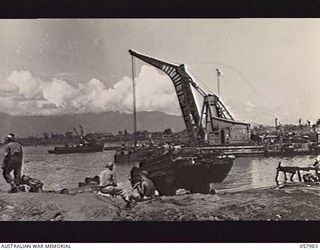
{"x": 84, "y": 146}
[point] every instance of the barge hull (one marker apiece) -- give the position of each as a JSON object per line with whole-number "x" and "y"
{"x": 187, "y": 173}
{"x": 70, "y": 150}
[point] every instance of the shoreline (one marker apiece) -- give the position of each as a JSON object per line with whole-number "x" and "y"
{"x": 291, "y": 202}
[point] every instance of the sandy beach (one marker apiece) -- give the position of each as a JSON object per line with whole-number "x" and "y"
{"x": 292, "y": 202}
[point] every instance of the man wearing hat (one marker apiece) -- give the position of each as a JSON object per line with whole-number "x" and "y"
{"x": 107, "y": 176}
{"x": 12, "y": 161}
{"x": 108, "y": 182}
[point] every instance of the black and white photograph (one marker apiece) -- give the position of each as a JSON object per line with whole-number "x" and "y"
{"x": 159, "y": 119}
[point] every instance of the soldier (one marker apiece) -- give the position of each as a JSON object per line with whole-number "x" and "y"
{"x": 146, "y": 189}
{"x": 108, "y": 182}
{"x": 12, "y": 162}
{"x": 107, "y": 176}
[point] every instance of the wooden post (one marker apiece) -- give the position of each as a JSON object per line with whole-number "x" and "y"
{"x": 278, "y": 170}
{"x": 285, "y": 176}
{"x": 299, "y": 175}
{"x": 277, "y": 177}
{"x": 291, "y": 177}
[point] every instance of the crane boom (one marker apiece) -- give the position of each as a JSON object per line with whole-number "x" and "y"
{"x": 182, "y": 83}
{"x": 215, "y": 124}
{"x": 81, "y": 135}
{"x": 81, "y": 130}
{"x": 75, "y": 130}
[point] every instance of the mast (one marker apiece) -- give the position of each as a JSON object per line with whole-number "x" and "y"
{"x": 218, "y": 81}
{"x": 134, "y": 102}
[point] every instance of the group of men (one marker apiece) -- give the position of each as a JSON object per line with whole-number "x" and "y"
{"x": 12, "y": 162}
{"x": 144, "y": 189}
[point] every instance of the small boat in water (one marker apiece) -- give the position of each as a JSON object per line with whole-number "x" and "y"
{"x": 80, "y": 148}
{"x": 184, "y": 170}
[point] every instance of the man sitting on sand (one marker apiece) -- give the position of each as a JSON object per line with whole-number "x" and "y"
{"x": 142, "y": 190}
{"x": 108, "y": 182}
{"x": 145, "y": 187}
{"x": 107, "y": 176}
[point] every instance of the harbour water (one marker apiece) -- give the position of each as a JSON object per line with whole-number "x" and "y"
{"x": 66, "y": 171}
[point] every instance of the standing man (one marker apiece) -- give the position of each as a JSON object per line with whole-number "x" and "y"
{"x": 12, "y": 162}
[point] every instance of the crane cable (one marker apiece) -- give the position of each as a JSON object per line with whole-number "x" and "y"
{"x": 236, "y": 70}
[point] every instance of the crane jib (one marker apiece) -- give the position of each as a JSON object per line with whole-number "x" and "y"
{"x": 182, "y": 83}
{"x": 214, "y": 121}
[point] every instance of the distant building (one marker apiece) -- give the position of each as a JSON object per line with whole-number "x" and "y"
{"x": 100, "y": 136}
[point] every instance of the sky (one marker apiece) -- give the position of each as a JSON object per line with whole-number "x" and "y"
{"x": 63, "y": 66}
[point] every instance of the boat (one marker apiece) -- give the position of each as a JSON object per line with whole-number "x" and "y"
{"x": 79, "y": 148}
{"x": 132, "y": 154}
{"x": 84, "y": 146}
{"x": 191, "y": 171}
{"x": 110, "y": 148}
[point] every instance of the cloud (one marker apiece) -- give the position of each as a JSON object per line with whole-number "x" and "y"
{"x": 59, "y": 93}
{"x": 23, "y": 93}
{"x": 7, "y": 88}
{"x": 28, "y": 85}
{"x": 26, "y": 94}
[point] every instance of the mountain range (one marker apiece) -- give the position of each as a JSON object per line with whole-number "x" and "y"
{"x": 113, "y": 122}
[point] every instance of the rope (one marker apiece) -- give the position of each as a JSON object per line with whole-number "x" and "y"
{"x": 199, "y": 80}
{"x": 235, "y": 69}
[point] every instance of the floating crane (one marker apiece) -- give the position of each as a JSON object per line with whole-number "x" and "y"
{"x": 214, "y": 125}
